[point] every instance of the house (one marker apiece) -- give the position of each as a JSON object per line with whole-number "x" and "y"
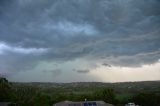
{"x": 131, "y": 104}
{"x": 82, "y": 103}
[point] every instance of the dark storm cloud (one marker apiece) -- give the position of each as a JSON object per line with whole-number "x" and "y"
{"x": 82, "y": 71}
{"x": 107, "y": 65}
{"x": 80, "y": 28}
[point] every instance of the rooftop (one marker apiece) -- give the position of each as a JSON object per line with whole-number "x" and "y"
{"x": 82, "y": 103}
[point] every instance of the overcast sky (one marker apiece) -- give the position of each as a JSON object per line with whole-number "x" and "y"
{"x": 80, "y": 40}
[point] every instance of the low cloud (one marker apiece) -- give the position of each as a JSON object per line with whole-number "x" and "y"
{"x": 107, "y": 65}
{"x": 119, "y": 33}
{"x": 6, "y": 48}
{"x": 83, "y": 71}
{"x": 54, "y": 72}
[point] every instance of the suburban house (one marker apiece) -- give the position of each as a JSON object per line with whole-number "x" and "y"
{"x": 131, "y": 104}
{"x": 82, "y": 103}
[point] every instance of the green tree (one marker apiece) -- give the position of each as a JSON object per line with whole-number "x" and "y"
{"x": 40, "y": 100}
{"x": 59, "y": 97}
{"x": 5, "y": 90}
{"x": 24, "y": 94}
{"x": 147, "y": 99}
{"x": 106, "y": 94}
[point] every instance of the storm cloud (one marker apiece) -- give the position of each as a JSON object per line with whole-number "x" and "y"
{"x": 82, "y": 71}
{"x": 116, "y": 32}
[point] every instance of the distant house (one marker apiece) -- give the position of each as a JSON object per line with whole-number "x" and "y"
{"x": 7, "y": 104}
{"x": 131, "y": 104}
{"x": 83, "y": 103}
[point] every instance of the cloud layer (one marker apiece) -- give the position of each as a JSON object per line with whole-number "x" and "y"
{"x": 114, "y": 32}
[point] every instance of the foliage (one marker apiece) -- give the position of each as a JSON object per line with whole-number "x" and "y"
{"x": 147, "y": 99}
{"x": 105, "y": 94}
{"x": 40, "y": 100}
{"x": 46, "y": 94}
{"x": 5, "y": 90}
{"x": 24, "y": 94}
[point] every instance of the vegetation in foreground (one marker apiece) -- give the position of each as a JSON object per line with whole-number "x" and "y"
{"x": 46, "y": 94}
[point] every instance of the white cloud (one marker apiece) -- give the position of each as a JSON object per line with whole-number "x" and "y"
{"x": 122, "y": 74}
{"x": 71, "y": 28}
{"x": 4, "y": 48}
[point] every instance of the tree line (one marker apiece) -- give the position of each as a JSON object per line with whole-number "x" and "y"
{"x": 29, "y": 95}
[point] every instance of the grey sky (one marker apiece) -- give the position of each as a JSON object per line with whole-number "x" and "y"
{"x": 52, "y": 38}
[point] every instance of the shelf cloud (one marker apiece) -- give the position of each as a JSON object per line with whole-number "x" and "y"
{"x": 113, "y": 33}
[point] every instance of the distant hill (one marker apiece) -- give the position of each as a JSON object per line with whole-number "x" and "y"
{"x": 120, "y": 87}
